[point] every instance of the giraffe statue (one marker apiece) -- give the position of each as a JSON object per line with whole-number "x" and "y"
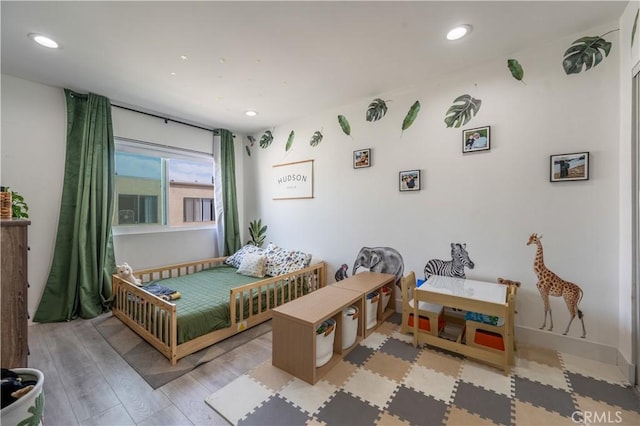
{"x": 549, "y": 284}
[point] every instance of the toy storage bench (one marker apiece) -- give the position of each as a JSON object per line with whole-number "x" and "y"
{"x": 294, "y": 327}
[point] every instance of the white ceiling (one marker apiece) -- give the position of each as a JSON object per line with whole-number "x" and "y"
{"x": 283, "y": 59}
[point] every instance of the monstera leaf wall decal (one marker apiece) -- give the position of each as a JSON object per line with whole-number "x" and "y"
{"x": 344, "y": 124}
{"x": 585, "y": 51}
{"x": 266, "y": 139}
{"x": 246, "y": 147}
{"x": 516, "y": 69}
{"x": 292, "y": 135}
{"x": 316, "y": 138}
{"x": 460, "y": 113}
{"x": 377, "y": 109}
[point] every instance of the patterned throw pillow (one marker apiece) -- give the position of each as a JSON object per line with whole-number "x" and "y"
{"x": 253, "y": 265}
{"x": 236, "y": 258}
{"x": 282, "y": 261}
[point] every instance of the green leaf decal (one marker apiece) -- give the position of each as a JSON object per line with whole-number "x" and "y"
{"x": 459, "y": 115}
{"x": 411, "y": 116}
{"x": 316, "y": 138}
{"x": 266, "y": 139}
{"x": 585, "y": 51}
{"x": 344, "y": 123}
{"x": 246, "y": 147}
{"x": 290, "y": 141}
{"x": 635, "y": 27}
{"x": 516, "y": 69}
{"x": 377, "y": 109}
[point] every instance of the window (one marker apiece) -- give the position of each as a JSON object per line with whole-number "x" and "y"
{"x": 198, "y": 209}
{"x": 157, "y": 186}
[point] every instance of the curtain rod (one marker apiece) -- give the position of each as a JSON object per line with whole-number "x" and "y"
{"x": 167, "y": 119}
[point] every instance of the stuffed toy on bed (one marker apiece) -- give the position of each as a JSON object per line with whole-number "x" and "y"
{"x": 126, "y": 273}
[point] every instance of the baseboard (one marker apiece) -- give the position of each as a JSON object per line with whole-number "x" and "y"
{"x": 577, "y": 346}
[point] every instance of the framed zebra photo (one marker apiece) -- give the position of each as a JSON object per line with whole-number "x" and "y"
{"x": 565, "y": 167}
{"x": 410, "y": 180}
{"x": 477, "y": 139}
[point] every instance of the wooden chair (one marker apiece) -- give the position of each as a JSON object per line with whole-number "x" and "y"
{"x": 429, "y": 315}
{"x": 492, "y": 337}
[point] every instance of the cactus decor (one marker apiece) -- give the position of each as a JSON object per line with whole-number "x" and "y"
{"x": 257, "y": 232}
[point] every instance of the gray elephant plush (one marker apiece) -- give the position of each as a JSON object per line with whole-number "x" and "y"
{"x": 380, "y": 259}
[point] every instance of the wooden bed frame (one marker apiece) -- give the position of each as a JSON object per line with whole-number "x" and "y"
{"x": 155, "y": 319}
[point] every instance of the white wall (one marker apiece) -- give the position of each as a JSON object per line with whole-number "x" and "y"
{"x": 33, "y": 148}
{"x": 490, "y": 200}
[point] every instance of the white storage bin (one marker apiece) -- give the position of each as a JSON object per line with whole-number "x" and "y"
{"x": 372, "y": 309}
{"x": 325, "y": 335}
{"x": 386, "y": 296}
{"x": 30, "y": 408}
{"x": 349, "y": 326}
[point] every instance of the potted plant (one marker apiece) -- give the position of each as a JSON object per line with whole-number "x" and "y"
{"x": 19, "y": 208}
{"x": 257, "y": 232}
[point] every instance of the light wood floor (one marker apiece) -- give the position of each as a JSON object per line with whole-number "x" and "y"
{"x": 88, "y": 383}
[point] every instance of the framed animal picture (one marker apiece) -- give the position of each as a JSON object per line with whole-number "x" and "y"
{"x": 410, "y": 180}
{"x": 566, "y": 167}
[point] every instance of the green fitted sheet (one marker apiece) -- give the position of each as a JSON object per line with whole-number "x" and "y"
{"x": 204, "y": 303}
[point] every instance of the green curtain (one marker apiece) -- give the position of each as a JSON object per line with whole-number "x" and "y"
{"x": 229, "y": 200}
{"x": 79, "y": 282}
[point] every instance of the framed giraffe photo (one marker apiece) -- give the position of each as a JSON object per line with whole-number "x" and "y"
{"x": 410, "y": 180}
{"x": 568, "y": 167}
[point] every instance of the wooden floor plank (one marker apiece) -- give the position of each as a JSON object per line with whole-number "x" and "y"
{"x": 139, "y": 399}
{"x": 88, "y": 390}
{"x": 113, "y": 416}
{"x": 170, "y": 416}
{"x": 188, "y": 395}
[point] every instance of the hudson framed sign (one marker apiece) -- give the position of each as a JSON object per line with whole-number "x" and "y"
{"x": 293, "y": 180}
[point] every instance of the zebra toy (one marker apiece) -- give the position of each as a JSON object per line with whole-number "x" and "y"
{"x": 450, "y": 268}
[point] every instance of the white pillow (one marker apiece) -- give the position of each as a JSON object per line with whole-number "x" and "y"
{"x": 252, "y": 265}
{"x": 236, "y": 258}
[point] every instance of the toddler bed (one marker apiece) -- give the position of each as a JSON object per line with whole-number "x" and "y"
{"x": 215, "y": 303}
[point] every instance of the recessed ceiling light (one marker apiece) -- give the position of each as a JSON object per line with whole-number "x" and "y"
{"x": 172, "y": 73}
{"x": 43, "y": 40}
{"x": 222, "y": 60}
{"x": 458, "y": 32}
{"x": 184, "y": 57}
{"x": 250, "y": 113}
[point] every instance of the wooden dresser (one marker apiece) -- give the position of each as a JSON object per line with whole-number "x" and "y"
{"x": 13, "y": 298}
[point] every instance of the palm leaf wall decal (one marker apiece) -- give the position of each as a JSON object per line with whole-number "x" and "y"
{"x": 376, "y": 110}
{"x": 460, "y": 114}
{"x": 246, "y": 147}
{"x": 516, "y": 69}
{"x": 316, "y": 138}
{"x": 344, "y": 124}
{"x": 411, "y": 116}
{"x": 585, "y": 51}
{"x": 266, "y": 139}
{"x": 292, "y": 135}
{"x": 635, "y": 27}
